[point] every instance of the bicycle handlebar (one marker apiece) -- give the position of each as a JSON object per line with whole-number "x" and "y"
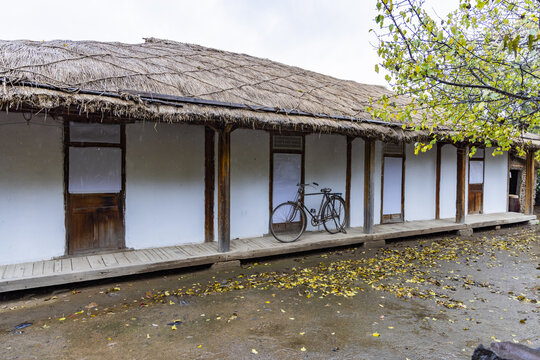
{"x": 304, "y": 185}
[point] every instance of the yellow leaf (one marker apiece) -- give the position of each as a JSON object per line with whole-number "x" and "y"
{"x": 199, "y": 346}
{"x": 303, "y": 349}
{"x": 173, "y": 327}
{"x": 376, "y": 334}
{"x": 62, "y": 319}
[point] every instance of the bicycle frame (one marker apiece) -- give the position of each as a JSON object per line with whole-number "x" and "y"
{"x": 288, "y": 220}
{"x": 316, "y": 219}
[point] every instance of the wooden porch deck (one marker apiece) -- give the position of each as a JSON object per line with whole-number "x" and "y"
{"x": 128, "y": 262}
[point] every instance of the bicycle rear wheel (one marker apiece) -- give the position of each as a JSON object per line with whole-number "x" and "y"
{"x": 288, "y": 222}
{"x": 334, "y": 214}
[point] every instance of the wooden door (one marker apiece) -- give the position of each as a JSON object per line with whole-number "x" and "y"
{"x": 392, "y": 183}
{"x": 286, "y": 167}
{"x": 95, "y": 163}
{"x": 476, "y": 183}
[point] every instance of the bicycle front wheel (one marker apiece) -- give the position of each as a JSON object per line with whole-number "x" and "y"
{"x": 287, "y": 222}
{"x": 334, "y": 214}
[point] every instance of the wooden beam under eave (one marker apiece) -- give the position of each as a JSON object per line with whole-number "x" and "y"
{"x": 529, "y": 183}
{"x": 224, "y": 189}
{"x": 460, "y": 188}
{"x": 348, "y": 182}
{"x": 209, "y": 183}
{"x": 369, "y": 186}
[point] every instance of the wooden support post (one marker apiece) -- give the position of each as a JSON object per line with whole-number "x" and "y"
{"x": 348, "y": 182}
{"x": 438, "y": 183}
{"x": 369, "y": 186}
{"x": 460, "y": 188}
{"x": 224, "y": 189}
{"x": 529, "y": 183}
{"x": 209, "y": 183}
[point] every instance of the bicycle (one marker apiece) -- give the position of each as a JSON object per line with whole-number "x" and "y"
{"x": 288, "y": 220}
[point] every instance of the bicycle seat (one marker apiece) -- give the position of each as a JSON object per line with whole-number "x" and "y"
{"x": 326, "y": 190}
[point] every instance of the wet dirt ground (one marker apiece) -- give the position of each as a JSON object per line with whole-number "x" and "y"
{"x": 419, "y": 298}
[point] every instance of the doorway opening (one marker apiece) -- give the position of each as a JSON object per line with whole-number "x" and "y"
{"x": 393, "y": 181}
{"x": 94, "y": 186}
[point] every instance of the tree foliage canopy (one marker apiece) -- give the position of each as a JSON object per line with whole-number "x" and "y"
{"x": 475, "y": 71}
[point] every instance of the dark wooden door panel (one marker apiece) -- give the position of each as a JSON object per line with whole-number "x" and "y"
{"x": 95, "y": 222}
{"x": 81, "y": 232}
{"x": 475, "y": 198}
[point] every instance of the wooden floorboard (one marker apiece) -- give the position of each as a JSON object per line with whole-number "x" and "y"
{"x": 57, "y": 266}
{"x": 83, "y": 268}
{"x": 80, "y": 264}
{"x": 121, "y": 259}
{"x": 109, "y": 260}
{"x": 161, "y": 253}
{"x": 96, "y": 262}
{"x": 37, "y": 270}
{"x": 10, "y": 269}
{"x": 135, "y": 257}
{"x": 48, "y": 267}
{"x": 156, "y": 254}
{"x": 189, "y": 251}
{"x": 19, "y": 270}
{"x": 66, "y": 265}
{"x": 181, "y": 250}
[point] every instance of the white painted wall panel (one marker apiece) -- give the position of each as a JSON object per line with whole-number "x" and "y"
{"x": 357, "y": 183}
{"x": 495, "y": 184}
{"x": 164, "y": 184}
{"x": 378, "y": 182}
{"x": 326, "y": 164}
{"x": 31, "y": 189}
{"x": 250, "y": 164}
{"x": 392, "y": 181}
{"x": 448, "y": 182}
{"x": 420, "y": 184}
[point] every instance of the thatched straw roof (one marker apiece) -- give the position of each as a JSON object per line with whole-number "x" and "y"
{"x": 161, "y": 80}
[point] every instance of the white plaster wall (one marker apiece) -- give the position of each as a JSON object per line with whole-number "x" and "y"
{"x": 357, "y": 182}
{"x": 325, "y": 164}
{"x": 447, "y": 201}
{"x": 164, "y": 184}
{"x": 32, "y": 217}
{"x": 378, "y": 182}
{"x": 495, "y": 182}
{"x": 250, "y": 162}
{"x": 420, "y": 184}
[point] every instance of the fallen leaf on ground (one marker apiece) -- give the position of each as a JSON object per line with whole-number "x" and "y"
{"x": 91, "y": 305}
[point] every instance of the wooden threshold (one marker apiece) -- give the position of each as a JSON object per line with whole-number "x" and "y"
{"x": 130, "y": 262}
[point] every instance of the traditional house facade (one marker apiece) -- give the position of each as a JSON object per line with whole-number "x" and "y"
{"x": 109, "y": 146}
